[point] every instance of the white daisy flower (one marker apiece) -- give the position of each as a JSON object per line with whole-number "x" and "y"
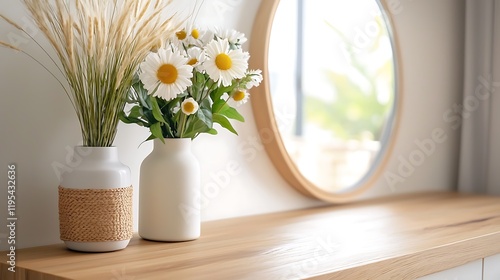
{"x": 189, "y": 106}
{"x": 255, "y": 78}
{"x": 206, "y": 36}
{"x": 181, "y": 35}
{"x": 240, "y": 96}
{"x": 180, "y": 39}
{"x": 194, "y": 36}
{"x": 190, "y": 36}
{"x": 233, "y": 37}
{"x": 195, "y": 33}
{"x": 165, "y": 73}
{"x": 196, "y": 56}
{"x": 223, "y": 64}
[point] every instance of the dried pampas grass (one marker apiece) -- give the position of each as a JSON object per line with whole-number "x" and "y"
{"x": 100, "y": 44}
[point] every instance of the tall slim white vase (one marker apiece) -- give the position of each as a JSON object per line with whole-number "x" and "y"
{"x": 95, "y": 201}
{"x": 169, "y": 192}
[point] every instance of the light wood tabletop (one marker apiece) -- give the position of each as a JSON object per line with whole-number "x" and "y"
{"x": 400, "y": 237}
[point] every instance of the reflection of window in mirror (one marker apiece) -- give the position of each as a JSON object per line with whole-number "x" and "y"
{"x": 332, "y": 83}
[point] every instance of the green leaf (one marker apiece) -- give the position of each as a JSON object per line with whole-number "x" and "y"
{"x": 224, "y": 122}
{"x": 231, "y": 113}
{"x": 130, "y": 120}
{"x": 195, "y": 127}
{"x": 156, "y": 131}
{"x": 212, "y": 131}
{"x": 124, "y": 117}
{"x": 205, "y": 115}
{"x": 145, "y": 100}
{"x": 157, "y": 114}
{"x": 205, "y": 103}
{"x": 148, "y": 115}
{"x": 217, "y": 94}
{"x": 200, "y": 78}
{"x": 168, "y": 130}
{"x": 218, "y": 104}
{"x": 135, "y": 112}
{"x": 197, "y": 87}
{"x": 151, "y": 137}
{"x": 172, "y": 103}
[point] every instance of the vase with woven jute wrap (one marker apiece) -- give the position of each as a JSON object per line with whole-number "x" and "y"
{"x": 99, "y": 46}
{"x": 95, "y": 201}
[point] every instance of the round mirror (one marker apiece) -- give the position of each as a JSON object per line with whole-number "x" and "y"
{"x": 326, "y": 111}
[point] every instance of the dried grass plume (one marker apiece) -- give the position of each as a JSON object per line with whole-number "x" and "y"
{"x": 100, "y": 44}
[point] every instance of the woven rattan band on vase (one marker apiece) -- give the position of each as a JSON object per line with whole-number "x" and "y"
{"x": 95, "y": 215}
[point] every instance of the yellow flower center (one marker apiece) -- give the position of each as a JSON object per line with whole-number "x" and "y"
{"x": 223, "y": 61}
{"x": 181, "y": 35}
{"x": 188, "y": 107}
{"x": 167, "y": 74}
{"x": 239, "y": 95}
{"x": 192, "y": 61}
{"x": 195, "y": 33}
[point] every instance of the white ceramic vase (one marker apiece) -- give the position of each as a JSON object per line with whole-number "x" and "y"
{"x": 169, "y": 192}
{"x": 95, "y": 201}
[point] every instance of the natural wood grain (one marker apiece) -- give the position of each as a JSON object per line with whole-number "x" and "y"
{"x": 391, "y": 238}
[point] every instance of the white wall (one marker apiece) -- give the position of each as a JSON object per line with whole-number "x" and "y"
{"x": 38, "y": 125}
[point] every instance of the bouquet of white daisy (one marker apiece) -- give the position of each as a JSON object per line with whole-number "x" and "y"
{"x": 194, "y": 80}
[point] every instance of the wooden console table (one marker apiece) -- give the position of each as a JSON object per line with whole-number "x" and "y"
{"x": 401, "y": 237}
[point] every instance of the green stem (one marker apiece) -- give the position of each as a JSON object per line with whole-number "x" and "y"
{"x": 208, "y": 89}
{"x": 183, "y": 123}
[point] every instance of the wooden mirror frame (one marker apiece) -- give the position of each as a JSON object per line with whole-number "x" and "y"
{"x": 263, "y": 112}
